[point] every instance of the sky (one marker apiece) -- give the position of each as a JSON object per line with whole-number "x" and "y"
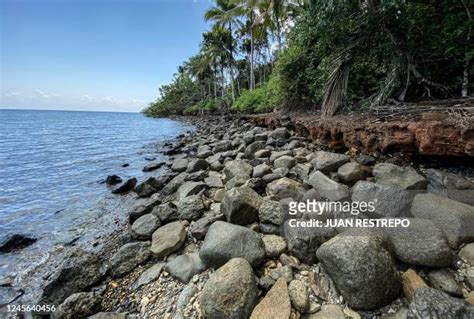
{"x": 100, "y": 55}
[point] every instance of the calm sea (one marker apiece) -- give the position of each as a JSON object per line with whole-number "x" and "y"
{"x": 51, "y": 167}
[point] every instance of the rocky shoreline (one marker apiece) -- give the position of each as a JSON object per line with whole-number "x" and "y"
{"x": 211, "y": 237}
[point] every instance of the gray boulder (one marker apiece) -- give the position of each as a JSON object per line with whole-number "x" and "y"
{"x": 184, "y": 267}
{"x": 149, "y": 275}
{"x": 270, "y": 212}
{"x": 167, "y": 239}
{"x": 467, "y": 254}
{"x": 327, "y": 162}
{"x": 328, "y": 188}
{"x": 237, "y": 168}
{"x": 280, "y": 133}
{"x": 443, "y": 279}
{"x": 197, "y": 165}
{"x": 362, "y": 269}
{"x": 299, "y": 295}
{"x": 180, "y": 165}
{"x": 225, "y": 241}
{"x": 274, "y": 245}
{"x": 151, "y": 186}
{"x": 214, "y": 182}
{"x": 199, "y": 228}
{"x": 191, "y": 207}
{"x": 422, "y": 243}
{"x": 174, "y": 184}
{"x": 300, "y": 171}
{"x": 231, "y": 292}
{"x": 190, "y": 188}
{"x": 222, "y": 146}
{"x": 285, "y": 188}
{"x": 455, "y": 219}
{"x": 253, "y": 148}
{"x": 397, "y": 176}
{"x": 260, "y": 170}
{"x": 128, "y": 257}
{"x": 450, "y": 185}
{"x": 142, "y": 207}
{"x": 431, "y": 303}
{"x": 166, "y": 212}
{"x": 240, "y": 205}
{"x": 81, "y": 304}
{"x": 144, "y": 226}
{"x": 388, "y": 201}
{"x": 351, "y": 172}
{"x": 285, "y": 162}
{"x": 277, "y": 154}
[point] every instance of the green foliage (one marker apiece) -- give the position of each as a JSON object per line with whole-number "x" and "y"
{"x": 261, "y": 99}
{"x": 207, "y": 106}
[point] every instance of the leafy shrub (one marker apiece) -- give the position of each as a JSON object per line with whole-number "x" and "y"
{"x": 262, "y": 99}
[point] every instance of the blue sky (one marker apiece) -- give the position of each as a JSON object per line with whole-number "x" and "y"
{"x": 93, "y": 54}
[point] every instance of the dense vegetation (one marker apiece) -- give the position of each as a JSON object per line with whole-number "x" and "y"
{"x": 324, "y": 54}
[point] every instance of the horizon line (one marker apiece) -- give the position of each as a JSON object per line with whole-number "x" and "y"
{"x": 67, "y": 110}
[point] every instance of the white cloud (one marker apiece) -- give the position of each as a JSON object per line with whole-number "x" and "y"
{"x": 41, "y": 94}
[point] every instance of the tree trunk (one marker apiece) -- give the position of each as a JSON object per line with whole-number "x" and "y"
{"x": 223, "y": 82}
{"x": 467, "y": 62}
{"x": 231, "y": 64}
{"x": 252, "y": 76}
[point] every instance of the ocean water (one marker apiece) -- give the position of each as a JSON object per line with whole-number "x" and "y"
{"x": 51, "y": 167}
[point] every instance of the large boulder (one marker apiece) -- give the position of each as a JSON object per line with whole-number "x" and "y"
{"x": 387, "y": 201}
{"x": 421, "y": 243}
{"x": 327, "y": 162}
{"x": 190, "y": 188}
{"x": 450, "y": 185}
{"x": 225, "y": 241}
{"x": 328, "y": 188}
{"x": 168, "y": 239}
{"x": 270, "y": 212}
{"x": 455, "y": 219}
{"x": 362, "y": 269}
{"x": 142, "y": 207}
{"x": 280, "y": 133}
{"x": 166, "y": 212}
{"x": 199, "y": 228}
{"x": 237, "y": 168}
{"x": 174, "y": 184}
{"x": 197, "y": 165}
{"x": 275, "y": 304}
{"x": 144, "y": 226}
{"x": 128, "y": 257}
{"x": 191, "y": 207}
{"x": 184, "y": 267}
{"x": 402, "y": 177}
{"x": 150, "y": 186}
{"x": 351, "y": 172}
{"x": 432, "y": 303}
{"x": 240, "y": 205}
{"x": 284, "y": 162}
{"x": 261, "y": 170}
{"x": 222, "y": 146}
{"x": 285, "y": 188}
{"x": 253, "y": 148}
{"x": 231, "y": 292}
{"x": 127, "y": 186}
{"x": 153, "y": 166}
{"x": 180, "y": 165}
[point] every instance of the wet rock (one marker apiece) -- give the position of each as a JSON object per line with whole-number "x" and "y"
{"x": 197, "y": 165}
{"x": 327, "y": 162}
{"x": 168, "y": 239}
{"x": 174, "y": 184}
{"x": 467, "y": 254}
{"x": 351, "y": 172}
{"x": 80, "y": 304}
{"x": 362, "y": 269}
{"x": 190, "y": 188}
{"x": 285, "y": 162}
{"x": 276, "y": 303}
{"x": 9, "y": 294}
{"x": 166, "y": 212}
{"x": 142, "y": 207}
{"x": 149, "y": 275}
{"x": 153, "y": 166}
{"x": 191, "y": 207}
{"x": 240, "y": 205}
{"x": 251, "y": 149}
{"x": 411, "y": 281}
{"x": 144, "y": 226}
{"x": 280, "y": 133}
{"x": 77, "y": 272}
{"x": 127, "y": 186}
{"x": 150, "y": 186}
{"x": 237, "y": 168}
{"x": 184, "y": 267}
{"x": 422, "y": 243}
{"x": 199, "y": 228}
{"x": 15, "y": 242}
{"x": 274, "y": 245}
{"x": 455, "y": 219}
{"x": 225, "y": 241}
{"x": 431, "y": 303}
{"x": 261, "y": 170}
{"x": 443, "y": 279}
{"x": 180, "y": 165}
{"x": 113, "y": 180}
{"x": 402, "y": 177}
{"x": 327, "y": 312}
{"x": 387, "y": 201}
{"x": 328, "y": 188}
{"x": 231, "y": 292}
{"x": 128, "y": 257}
{"x": 285, "y": 188}
{"x": 299, "y": 295}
